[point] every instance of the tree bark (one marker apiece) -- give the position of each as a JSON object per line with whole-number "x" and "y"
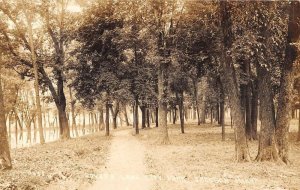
{"x": 267, "y": 146}
{"x": 73, "y": 102}
{"x": 136, "y": 116}
{"x": 143, "y": 110}
{"x": 181, "y": 114}
{"x": 115, "y": 114}
{"x": 101, "y": 120}
{"x": 286, "y": 83}
{"x": 5, "y": 159}
{"x": 126, "y": 116}
{"x": 148, "y": 117}
{"x": 36, "y": 80}
{"x": 156, "y": 117}
{"x": 107, "y": 106}
{"x": 162, "y": 103}
{"x": 254, "y": 110}
{"x": 231, "y": 86}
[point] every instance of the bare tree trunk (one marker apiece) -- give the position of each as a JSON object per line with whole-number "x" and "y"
{"x": 107, "y": 106}
{"x": 162, "y": 105}
{"x": 126, "y": 116}
{"x": 156, "y": 117}
{"x": 101, "y": 120}
{"x": 267, "y": 146}
{"x": 254, "y": 110}
{"x": 286, "y": 83}
{"x": 143, "y": 110}
{"x": 230, "y": 85}
{"x": 222, "y": 108}
{"x": 136, "y": 116}
{"x": 148, "y": 117}
{"x": 181, "y": 114}
{"x": 175, "y": 115}
{"x": 36, "y": 80}
{"x": 5, "y": 159}
{"x": 299, "y": 127}
{"x": 73, "y": 102}
{"x": 115, "y": 114}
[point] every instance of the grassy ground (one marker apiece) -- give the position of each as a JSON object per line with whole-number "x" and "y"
{"x": 200, "y": 160}
{"x": 67, "y": 164}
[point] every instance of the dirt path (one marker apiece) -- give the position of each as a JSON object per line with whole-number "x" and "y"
{"x": 126, "y": 168}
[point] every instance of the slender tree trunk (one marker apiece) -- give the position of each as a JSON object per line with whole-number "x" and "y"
{"x": 143, "y": 110}
{"x": 107, "y": 106}
{"x": 73, "y": 102}
{"x": 126, "y": 116}
{"x": 5, "y": 159}
{"x": 254, "y": 110}
{"x": 181, "y": 114}
{"x": 101, "y": 120}
{"x": 148, "y": 118}
{"x": 36, "y": 80}
{"x": 222, "y": 108}
{"x": 267, "y": 146}
{"x": 175, "y": 115}
{"x": 83, "y": 122}
{"x": 156, "y": 117}
{"x": 136, "y": 116}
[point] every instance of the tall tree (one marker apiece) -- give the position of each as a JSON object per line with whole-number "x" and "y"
{"x": 5, "y": 159}
{"x": 231, "y": 84}
{"x": 286, "y": 81}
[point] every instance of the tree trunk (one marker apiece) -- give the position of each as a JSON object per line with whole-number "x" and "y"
{"x": 73, "y": 102}
{"x": 222, "y": 108}
{"x": 254, "y": 110}
{"x": 286, "y": 83}
{"x": 231, "y": 86}
{"x": 136, "y": 116}
{"x": 175, "y": 115}
{"x": 5, "y": 159}
{"x": 126, "y": 116}
{"x": 162, "y": 104}
{"x": 181, "y": 114}
{"x": 115, "y": 114}
{"x": 107, "y": 106}
{"x": 156, "y": 117}
{"x": 202, "y": 105}
{"x": 143, "y": 110}
{"x": 36, "y": 80}
{"x": 299, "y": 127}
{"x": 64, "y": 130}
{"x": 267, "y": 146}
{"x": 101, "y": 120}
{"x": 148, "y": 118}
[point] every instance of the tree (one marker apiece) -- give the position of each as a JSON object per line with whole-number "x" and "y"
{"x": 5, "y": 159}
{"x": 16, "y": 41}
{"x": 286, "y": 82}
{"x": 36, "y": 76}
{"x": 230, "y": 83}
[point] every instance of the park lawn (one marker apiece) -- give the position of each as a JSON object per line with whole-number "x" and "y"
{"x": 200, "y": 160}
{"x": 70, "y": 164}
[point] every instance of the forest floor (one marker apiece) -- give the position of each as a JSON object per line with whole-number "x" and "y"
{"x": 70, "y": 164}
{"x": 199, "y": 159}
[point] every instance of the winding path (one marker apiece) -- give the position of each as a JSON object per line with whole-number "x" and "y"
{"x": 126, "y": 168}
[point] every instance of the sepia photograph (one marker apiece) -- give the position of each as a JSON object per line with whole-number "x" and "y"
{"x": 149, "y": 95}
